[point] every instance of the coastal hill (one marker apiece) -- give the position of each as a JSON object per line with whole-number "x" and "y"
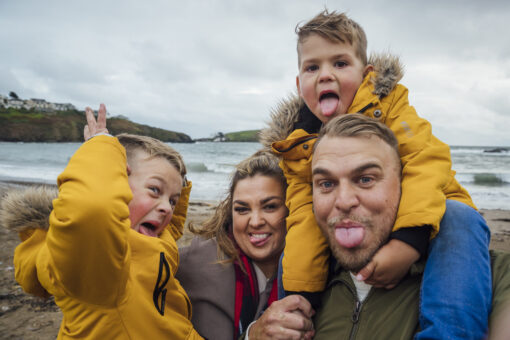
{"x": 29, "y": 125}
{"x": 240, "y": 136}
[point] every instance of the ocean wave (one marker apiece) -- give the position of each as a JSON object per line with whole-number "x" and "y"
{"x": 222, "y": 168}
{"x": 489, "y": 179}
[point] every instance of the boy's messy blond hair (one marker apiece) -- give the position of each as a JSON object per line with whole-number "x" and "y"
{"x": 335, "y": 27}
{"x": 154, "y": 148}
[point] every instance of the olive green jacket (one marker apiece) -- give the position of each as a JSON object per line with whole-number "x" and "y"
{"x": 390, "y": 314}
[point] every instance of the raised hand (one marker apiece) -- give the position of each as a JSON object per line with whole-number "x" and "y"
{"x": 94, "y": 127}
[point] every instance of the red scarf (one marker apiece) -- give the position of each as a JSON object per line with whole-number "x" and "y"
{"x": 247, "y": 295}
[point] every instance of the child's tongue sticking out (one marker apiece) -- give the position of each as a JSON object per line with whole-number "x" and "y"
{"x": 328, "y": 105}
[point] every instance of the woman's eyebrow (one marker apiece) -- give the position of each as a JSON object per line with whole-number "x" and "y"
{"x": 265, "y": 200}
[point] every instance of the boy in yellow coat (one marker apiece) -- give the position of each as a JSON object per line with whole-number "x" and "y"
{"x": 109, "y": 256}
{"x": 335, "y": 78}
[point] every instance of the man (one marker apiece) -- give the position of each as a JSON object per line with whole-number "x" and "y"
{"x": 356, "y": 193}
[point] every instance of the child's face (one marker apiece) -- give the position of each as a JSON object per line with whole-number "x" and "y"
{"x": 156, "y": 187}
{"x": 330, "y": 73}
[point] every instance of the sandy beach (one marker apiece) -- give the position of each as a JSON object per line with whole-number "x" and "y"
{"x": 26, "y": 317}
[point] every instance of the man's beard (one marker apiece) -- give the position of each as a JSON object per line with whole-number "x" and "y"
{"x": 356, "y": 258}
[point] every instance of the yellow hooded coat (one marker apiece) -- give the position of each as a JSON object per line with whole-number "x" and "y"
{"x": 110, "y": 281}
{"x": 427, "y": 177}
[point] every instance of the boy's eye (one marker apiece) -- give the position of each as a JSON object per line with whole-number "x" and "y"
{"x": 311, "y": 68}
{"x": 340, "y": 64}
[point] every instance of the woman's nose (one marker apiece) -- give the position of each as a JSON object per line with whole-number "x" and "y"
{"x": 256, "y": 219}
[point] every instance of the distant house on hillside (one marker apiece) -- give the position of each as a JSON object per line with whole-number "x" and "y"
{"x": 35, "y": 103}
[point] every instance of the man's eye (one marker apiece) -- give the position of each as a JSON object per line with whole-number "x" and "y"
{"x": 325, "y": 185}
{"x": 340, "y": 64}
{"x": 365, "y": 180}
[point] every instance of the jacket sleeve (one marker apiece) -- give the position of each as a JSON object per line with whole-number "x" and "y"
{"x": 176, "y": 226}
{"x": 306, "y": 254}
{"x": 86, "y": 251}
{"x": 25, "y": 261}
{"x": 426, "y": 165}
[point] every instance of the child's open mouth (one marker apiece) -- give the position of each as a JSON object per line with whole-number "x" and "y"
{"x": 148, "y": 229}
{"x": 328, "y": 103}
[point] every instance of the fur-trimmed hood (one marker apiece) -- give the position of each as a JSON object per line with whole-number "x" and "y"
{"x": 388, "y": 72}
{"x": 27, "y": 208}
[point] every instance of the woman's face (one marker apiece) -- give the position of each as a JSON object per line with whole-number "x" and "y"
{"x": 258, "y": 214}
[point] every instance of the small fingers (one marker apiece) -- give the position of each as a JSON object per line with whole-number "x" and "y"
{"x": 101, "y": 117}
{"x": 86, "y": 133}
{"x": 365, "y": 274}
{"x": 91, "y": 120}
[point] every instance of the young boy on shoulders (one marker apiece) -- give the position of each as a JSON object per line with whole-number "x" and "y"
{"x": 335, "y": 78}
{"x": 109, "y": 255}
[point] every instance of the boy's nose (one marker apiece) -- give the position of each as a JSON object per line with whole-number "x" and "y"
{"x": 325, "y": 74}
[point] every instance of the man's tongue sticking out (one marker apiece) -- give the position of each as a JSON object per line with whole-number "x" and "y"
{"x": 349, "y": 237}
{"x": 328, "y": 105}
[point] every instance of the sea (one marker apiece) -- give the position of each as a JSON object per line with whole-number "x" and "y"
{"x": 483, "y": 171}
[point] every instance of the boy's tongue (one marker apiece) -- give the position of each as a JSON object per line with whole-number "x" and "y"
{"x": 349, "y": 237}
{"x": 328, "y": 105}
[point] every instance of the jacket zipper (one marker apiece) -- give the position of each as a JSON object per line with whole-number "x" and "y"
{"x": 355, "y": 318}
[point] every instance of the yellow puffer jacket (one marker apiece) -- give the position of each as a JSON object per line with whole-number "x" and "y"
{"x": 427, "y": 178}
{"x": 110, "y": 281}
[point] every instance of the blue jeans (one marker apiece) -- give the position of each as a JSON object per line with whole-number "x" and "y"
{"x": 456, "y": 292}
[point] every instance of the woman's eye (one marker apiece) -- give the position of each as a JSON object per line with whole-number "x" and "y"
{"x": 240, "y": 210}
{"x": 173, "y": 202}
{"x": 271, "y": 207}
{"x": 155, "y": 190}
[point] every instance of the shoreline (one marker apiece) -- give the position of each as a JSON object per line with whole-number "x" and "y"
{"x": 25, "y": 317}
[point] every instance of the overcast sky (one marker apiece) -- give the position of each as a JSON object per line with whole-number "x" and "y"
{"x": 200, "y": 67}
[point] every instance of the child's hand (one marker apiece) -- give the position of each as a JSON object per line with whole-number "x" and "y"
{"x": 389, "y": 265}
{"x": 92, "y": 128}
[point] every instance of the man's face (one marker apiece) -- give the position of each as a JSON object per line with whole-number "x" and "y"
{"x": 356, "y": 193}
{"x": 330, "y": 74}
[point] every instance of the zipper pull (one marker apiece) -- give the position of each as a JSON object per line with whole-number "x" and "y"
{"x": 355, "y": 314}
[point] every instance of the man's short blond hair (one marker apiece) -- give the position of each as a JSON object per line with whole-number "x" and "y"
{"x": 154, "y": 148}
{"x": 358, "y": 125}
{"x": 335, "y": 27}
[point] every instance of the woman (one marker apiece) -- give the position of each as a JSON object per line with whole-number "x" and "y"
{"x": 230, "y": 271}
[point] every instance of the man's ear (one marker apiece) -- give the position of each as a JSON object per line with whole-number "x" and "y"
{"x": 368, "y": 68}
{"x": 297, "y": 86}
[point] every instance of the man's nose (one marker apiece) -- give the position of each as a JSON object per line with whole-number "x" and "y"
{"x": 346, "y": 198}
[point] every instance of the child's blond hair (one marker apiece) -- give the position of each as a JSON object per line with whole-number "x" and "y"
{"x": 335, "y": 27}
{"x": 154, "y": 148}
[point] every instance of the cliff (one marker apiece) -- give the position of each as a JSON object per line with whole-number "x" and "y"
{"x": 21, "y": 125}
